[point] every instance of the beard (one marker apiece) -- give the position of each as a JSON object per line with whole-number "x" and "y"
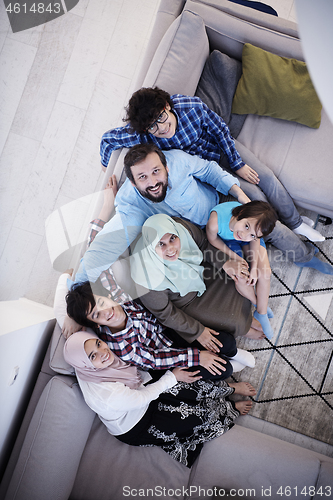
{"x": 150, "y": 196}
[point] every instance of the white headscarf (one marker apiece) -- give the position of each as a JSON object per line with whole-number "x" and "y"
{"x": 118, "y": 371}
{"x": 148, "y": 269}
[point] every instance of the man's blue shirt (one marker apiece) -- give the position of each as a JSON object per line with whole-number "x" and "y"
{"x": 191, "y": 194}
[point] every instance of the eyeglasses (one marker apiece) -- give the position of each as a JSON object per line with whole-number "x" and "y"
{"x": 153, "y": 128}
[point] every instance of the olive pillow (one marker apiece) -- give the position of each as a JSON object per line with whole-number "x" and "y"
{"x": 276, "y": 86}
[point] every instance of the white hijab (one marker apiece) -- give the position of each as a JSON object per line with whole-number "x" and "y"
{"x": 149, "y": 269}
{"x": 118, "y": 371}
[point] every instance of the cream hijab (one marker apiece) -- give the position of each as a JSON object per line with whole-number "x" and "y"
{"x": 149, "y": 269}
{"x": 118, "y": 371}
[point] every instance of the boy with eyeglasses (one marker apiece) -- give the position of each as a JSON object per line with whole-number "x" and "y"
{"x": 184, "y": 122}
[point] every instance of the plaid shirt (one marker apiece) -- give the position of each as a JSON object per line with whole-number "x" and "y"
{"x": 199, "y": 132}
{"x": 142, "y": 342}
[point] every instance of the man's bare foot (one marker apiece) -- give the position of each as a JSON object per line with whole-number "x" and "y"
{"x": 255, "y": 334}
{"x": 243, "y": 407}
{"x": 256, "y": 325}
{"x": 243, "y": 388}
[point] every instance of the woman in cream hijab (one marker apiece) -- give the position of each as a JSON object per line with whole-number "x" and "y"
{"x": 179, "y": 420}
{"x": 180, "y": 279}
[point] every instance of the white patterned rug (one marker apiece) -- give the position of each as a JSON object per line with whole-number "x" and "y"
{"x": 294, "y": 371}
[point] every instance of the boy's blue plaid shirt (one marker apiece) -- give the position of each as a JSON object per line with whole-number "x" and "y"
{"x": 199, "y": 132}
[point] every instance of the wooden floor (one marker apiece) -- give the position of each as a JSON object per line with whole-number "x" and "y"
{"x": 63, "y": 85}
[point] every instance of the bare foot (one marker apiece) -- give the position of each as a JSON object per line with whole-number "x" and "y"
{"x": 255, "y": 334}
{"x": 243, "y": 388}
{"x": 243, "y": 407}
{"x": 256, "y": 325}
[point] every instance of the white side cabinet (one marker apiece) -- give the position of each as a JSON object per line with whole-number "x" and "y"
{"x": 25, "y": 330}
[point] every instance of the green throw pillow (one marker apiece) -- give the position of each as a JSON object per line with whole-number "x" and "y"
{"x": 276, "y": 86}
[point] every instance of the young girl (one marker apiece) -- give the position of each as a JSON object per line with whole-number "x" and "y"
{"x": 237, "y": 230}
{"x": 171, "y": 413}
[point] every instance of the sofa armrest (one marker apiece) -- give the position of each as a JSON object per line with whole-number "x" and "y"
{"x": 55, "y": 440}
{"x": 246, "y": 459}
{"x": 324, "y": 483}
{"x": 167, "y": 13}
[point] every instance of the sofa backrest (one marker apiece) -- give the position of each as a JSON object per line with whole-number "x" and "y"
{"x": 180, "y": 57}
{"x": 229, "y": 26}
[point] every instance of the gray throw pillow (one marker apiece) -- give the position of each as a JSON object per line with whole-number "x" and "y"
{"x": 217, "y": 87}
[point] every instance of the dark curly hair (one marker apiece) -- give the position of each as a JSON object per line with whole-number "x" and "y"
{"x": 145, "y": 106}
{"x": 262, "y": 211}
{"x": 139, "y": 153}
{"x": 80, "y": 301}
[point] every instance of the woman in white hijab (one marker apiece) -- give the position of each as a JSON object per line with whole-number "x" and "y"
{"x": 180, "y": 279}
{"x": 171, "y": 413}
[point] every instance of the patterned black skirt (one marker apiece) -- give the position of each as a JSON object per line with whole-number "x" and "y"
{"x": 183, "y": 418}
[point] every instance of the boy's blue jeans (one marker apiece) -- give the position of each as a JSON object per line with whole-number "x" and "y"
{"x": 270, "y": 189}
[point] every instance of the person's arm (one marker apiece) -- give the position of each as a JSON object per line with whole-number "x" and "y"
{"x": 107, "y": 277}
{"x": 215, "y": 240}
{"x": 109, "y": 244}
{"x": 68, "y": 325}
{"x": 236, "y": 267}
{"x": 115, "y": 139}
{"x": 248, "y": 174}
{"x": 171, "y": 316}
{"x": 239, "y": 194}
{"x": 158, "y": 359}
{"x": 59, "y": 305}
{"x": 221, "y": 133}
{"x": 107, "y": 397}
{"x": 253, "y": 253}
{"x": 219, "y": 130}
{"x": 109, "y": 194}
{"x": 162, "y": 307}
{"x": 211, "y": 173}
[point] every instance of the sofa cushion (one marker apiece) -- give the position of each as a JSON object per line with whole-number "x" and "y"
{"x": 295, "y": 164}
{"x": 57, "y": 360}
{"x": 122, "y": 471}
{"x": 217, "y": 87}
{"x": 276, "y": 86}
{"x": 54, "y": 443}
{"x": 264, "y": 461}
{"x": 180, "y": 56}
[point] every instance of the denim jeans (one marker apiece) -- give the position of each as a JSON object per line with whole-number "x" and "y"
{"x": 270, "y": 189}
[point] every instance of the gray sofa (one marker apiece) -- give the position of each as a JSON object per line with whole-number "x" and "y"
{"x": 63, "y": 450}
{"x": 301, "y": 157}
